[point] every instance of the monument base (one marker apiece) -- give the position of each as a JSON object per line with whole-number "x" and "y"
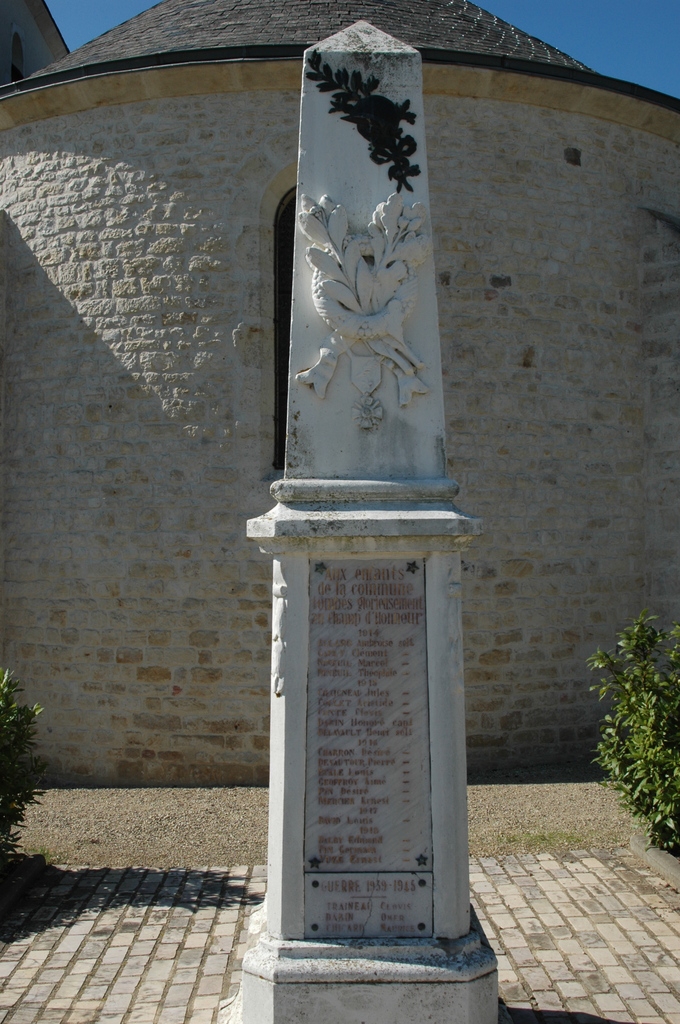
{"x": 371, "y": 981}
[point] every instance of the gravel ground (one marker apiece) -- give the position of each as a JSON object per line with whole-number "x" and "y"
{"x": 545, "y": 809}
{"x": 548, "y": 818}
{"x": 153, "y": 828}
{"x": 523, "y": 811}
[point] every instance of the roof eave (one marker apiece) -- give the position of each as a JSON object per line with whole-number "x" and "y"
{"x": 293, "y": 51}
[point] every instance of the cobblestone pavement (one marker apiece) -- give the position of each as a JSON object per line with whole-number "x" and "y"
{"x": 130, "y": 945}
{"x": 586, "y": 938}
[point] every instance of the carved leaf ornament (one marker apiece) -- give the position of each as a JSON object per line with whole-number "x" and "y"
{"x": 377, "y": 118}
{"x": 364, "y": 287}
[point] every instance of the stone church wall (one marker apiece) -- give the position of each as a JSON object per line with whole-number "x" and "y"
{"x": 137, "y": 612}
{"x": 138, "y": 435}
{"x": 537, "y": 258}
{"x": 660, "y": 304}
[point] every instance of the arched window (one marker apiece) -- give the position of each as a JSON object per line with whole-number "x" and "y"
{"x": 17, "y": 72}
{"x": 284, "y": 238}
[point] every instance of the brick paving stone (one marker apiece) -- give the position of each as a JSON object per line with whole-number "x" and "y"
{"x": 124, "y": 946}
{"x": 600, "y": 937}
{"x": 587, "y": 938}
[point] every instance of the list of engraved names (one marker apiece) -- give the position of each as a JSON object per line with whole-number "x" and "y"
{"x": 368, "y": 771}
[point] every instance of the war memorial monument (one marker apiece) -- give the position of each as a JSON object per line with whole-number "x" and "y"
{"x": 368, "y": 913}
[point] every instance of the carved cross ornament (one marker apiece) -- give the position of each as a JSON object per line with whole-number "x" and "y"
{"x": 364, "y": 287}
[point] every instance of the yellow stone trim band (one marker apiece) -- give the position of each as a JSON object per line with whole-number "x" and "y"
{"x": 275, "y": 75}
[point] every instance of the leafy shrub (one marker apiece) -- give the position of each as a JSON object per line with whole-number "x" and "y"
{"x": 20, "y": 769}
{"x": 640, "y": 739}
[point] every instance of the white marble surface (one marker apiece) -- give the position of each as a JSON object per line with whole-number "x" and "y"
{"x": 324, "y": 438}
{"x": 392, "y": 981}
{"x": 368, "y": 769}
{"x": 355, "y": 728}
{"x": 368, "y": 906}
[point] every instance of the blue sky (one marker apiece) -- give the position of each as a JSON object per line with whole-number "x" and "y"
{"x": 629, "y": 39}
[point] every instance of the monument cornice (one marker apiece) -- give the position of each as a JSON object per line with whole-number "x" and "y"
{"x": 413, "y": 489}
{"x": 275, "y": 68}
{"x": 363, "y": 528}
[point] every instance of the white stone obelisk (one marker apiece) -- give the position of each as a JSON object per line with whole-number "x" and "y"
{"x": 368, "y": 914}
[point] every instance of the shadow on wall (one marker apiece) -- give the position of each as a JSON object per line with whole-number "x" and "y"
{"x": 146, "y": 221}
{"x": 660, "y": 302}
{"x": 133, "y": 611}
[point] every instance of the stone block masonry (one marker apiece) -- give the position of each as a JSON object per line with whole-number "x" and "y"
{"x": 138, "y": 419}
{"x": 135, "y": 445}
{"x": 538, "y": 265}
{"x": 660, "y": 302}
{"x": 4, "y": 273}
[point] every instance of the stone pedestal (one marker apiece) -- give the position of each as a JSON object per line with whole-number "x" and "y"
{"x": 408, "y": 983}
{"x": 368, "y": 915}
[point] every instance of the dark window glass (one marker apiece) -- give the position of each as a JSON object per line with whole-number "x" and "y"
{"x": 284, "y": 238}
{"x": 17, "y": 58}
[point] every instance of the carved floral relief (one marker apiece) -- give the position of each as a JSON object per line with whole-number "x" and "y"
{"x": 364, "y": 287}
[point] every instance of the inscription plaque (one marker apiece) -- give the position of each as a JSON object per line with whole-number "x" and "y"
{"x": 367, "y": 810}
{"x": 368, "y": 906}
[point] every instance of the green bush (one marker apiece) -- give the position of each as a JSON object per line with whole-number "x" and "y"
{"x": 20, "y": 769}
{"x": 639, "y": 747}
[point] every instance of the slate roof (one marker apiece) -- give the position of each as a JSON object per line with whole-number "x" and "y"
{"x": 182, "y": 25}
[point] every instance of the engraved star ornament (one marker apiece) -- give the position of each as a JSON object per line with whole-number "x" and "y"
{"x": 364, "y": 287}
